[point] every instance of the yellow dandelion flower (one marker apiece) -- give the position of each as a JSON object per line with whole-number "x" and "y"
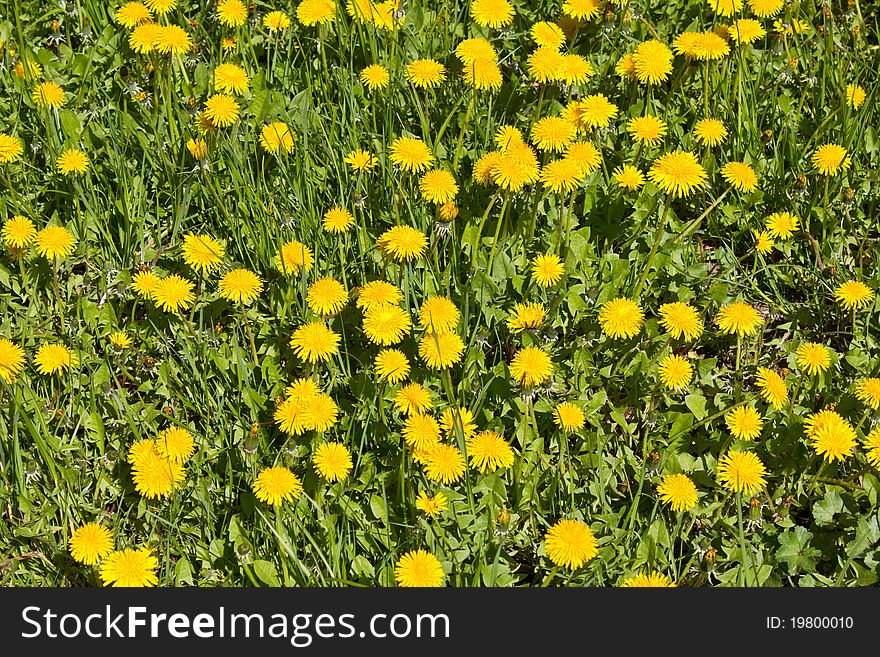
{"x": 221, "y": 110}
{"x": 829, "y": 159}
{"x": 276, "y": 138}
{"x": 173, "y": 293}
{"x": 570, "y": 544}
{"x": 570, "y": 417}
{"x": 740, "y": 176}
{"x": 392, "y": 365}
{"x": 402, "y": 243}
{"x": 744, "y": 422}
{"x": 426, "y": 73}
{"x": 276, "y": 485}
{"x": 432, "y": 507}
{"x": 314, "y": 342}
{"x": 53, "y": 358}
{"x": 90, "y": 543}
{"x": 740, "y": 318}
{"x": 130, "y": 568}
{"x": 678, "y": 491}
{"x": 741, "y": 472}
{"x": 293, "y": 257}
{"x": 678, "y": 173}
{"x": 492, "y": 13}
{"x": 681, "y": 320}
{"x": 176, "y": 444}
{"x": 326, "y": 296}
{"x": 410, "y": 154}
{"x": 441, "y": 350}
{"x": 438, "y": 186}
{"x": 651, "y": 580}
{"x": 531, "y": 366}
{"x": 11, "y": 148}
{"x": 337, "y": 220}
{"x": 781, "y": 225}
{"x": 710, "y": 132}
{"x": 853, "y": 294}
{"x": 48, "y": 94}
{"x": 376, "y": 293}
{"x": 445, "y": 464}
{"x": 232, "y": 13}
{"x": 72, "y": 161}
{"x": 772, "y": 387}
{"x": 202, "y": 252}
{"x": 241, "y": 285}
{"x": 418, "y": 568}
{"x": 11, "y": 360}
{"x": 621, "y": 318}
{"x": 628, "y": 177}
{"x": 867, "y": 391}
{"x": 647, "y": 129}
{"x": 412, "y": 398}
{"x": 332, "y": 461}
{"x": 675, "y": 371}
{"x": 547, "y": 269}
{"x": 526, "y": 316}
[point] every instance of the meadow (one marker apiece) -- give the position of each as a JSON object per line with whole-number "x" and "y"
{"x": 483, "y": 293}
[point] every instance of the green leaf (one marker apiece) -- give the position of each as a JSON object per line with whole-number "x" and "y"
{"x": 795, "y": 550}
{"x": 825, "y": 510}
{"x": 265, "y": 572}
{"x": 696, "y": 403}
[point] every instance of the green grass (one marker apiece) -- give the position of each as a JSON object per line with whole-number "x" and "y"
{"x": 64, "y": 439}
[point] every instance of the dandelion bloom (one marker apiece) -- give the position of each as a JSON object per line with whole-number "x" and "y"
{"x": 458, "y": 420}
{"x": 160, "y": 7}
{"x": 552, "y": 133}
{"x": 327, "y": 296}
{"x": 772, "y": 387}
{"x": 240, "y": 285}
{"x": 570, "y": 544}
{"x": 293, "y": 257}
{"x": 545, "y": 64}
{"x": 154, "y": 475}
{"x": 198, "y": 148}
{"x": 475, "y": 49}
{"x": 232, "y": 13}
{"x": 584, "y": 155}
{"x": 781, "y": 225}
{"x": 831, "y": 436}
{"x": 361, "y": 160}
{"x": 143, "y": 38}
{"x": 531, "y": 366}
{"x": 871, "y": 445}
{"x": 725, "y": 7}
{"x": 492, "y": 13}
{"x": 740, "y": 176}
{"x": 596, "y": 111}
{"x": 315, "y": 12}
{"x": 575, "y": 69}
{"x": 421, "y": 432}
{"x": 445, "y": 464}
{"x": 375, "y": 76}
{"x": 90, "y": 543}
{"x": 646, "y": 129}
{"x": 678, "y": 173}
{"x": 867, "y": 391}
{"x": 813, "y": 357}
{"x": 412, "y": 398}
{"x": 741, "y": 472}
{"x": 11, "y": 360}
{"x": 318, "y": 412}
{"x": 202, "y": 252}
{"x": 681, "y": 320}
{"x": 547, "y": 269}
{"x": 129, "y": 568}
{"x": 678, "y": 491}
{"x": 411, "y": 154}
{"x": 173, "y": 293}
{"x": 18, "y": 232}
{"x": 392, "y": 365}
{"x": 288, "y": 414}
{"x": 568, "y": 416}
{"x": 710, "y": 132}
{"x": 526, "y": 316}
{"x": 314, "y": 342}
{"x": 441, "y": 350}
{"x": 483, "y": 74}
{"x": 701, "y": 46}
{"x": 11, "y": 148}
{"x": 276, "y": 138}
{"x": 332, "y": 461}
{"x": 221, "y": 110}
{"x": 132, "y": 14}
{"x": 746, "y": 30}
{"x": 143, "y": 283}
{"x": 172, "y": 40}
{"x": 763, "y": 242}
{"x": 651, "y": 580}
{"x": 54, "y": 242}
{"x": 418, "y": 568}
{"x": 744, "y": 422}
{"x": 438, "y": 314}
{"x": 376, "y": 293}
{"x": 402, "y": 243}
{"x": 739, "y": 318}
{"x": 53, "y": 358}
{"x": 448, "y": 211}
{"x": 386, "y": 324}
{"x": 547, "y": 34}
{"x": 431, "y": 506}
{"x": 175, "y": 444}
{"x": 675, "y": 371}
{"x": 829, "y": 159}
{"x": 581, "y": 9}
{"x": 48, "y": 94}
{"x": 855, "y": 95}
{"x": 276, "y": 485}
{"x": 765, "y": 8}
{"x": 72, "y": 161}
{"x": 276, "y": 21}
{"x": 438, "y": 186}
{"x": 337, "y": 220}
{"x": 628, "y": 177}
{"x": 426, "y": 73}
{"x": 488, "y": 452}
{"x": 853, "y": 294}
{"x": 230, "y": 78}
{"x": 652, "y": 62}
{"x": 621, "y": 318}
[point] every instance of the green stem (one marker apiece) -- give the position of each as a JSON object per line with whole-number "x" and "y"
{"x": 657, "y": 237}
